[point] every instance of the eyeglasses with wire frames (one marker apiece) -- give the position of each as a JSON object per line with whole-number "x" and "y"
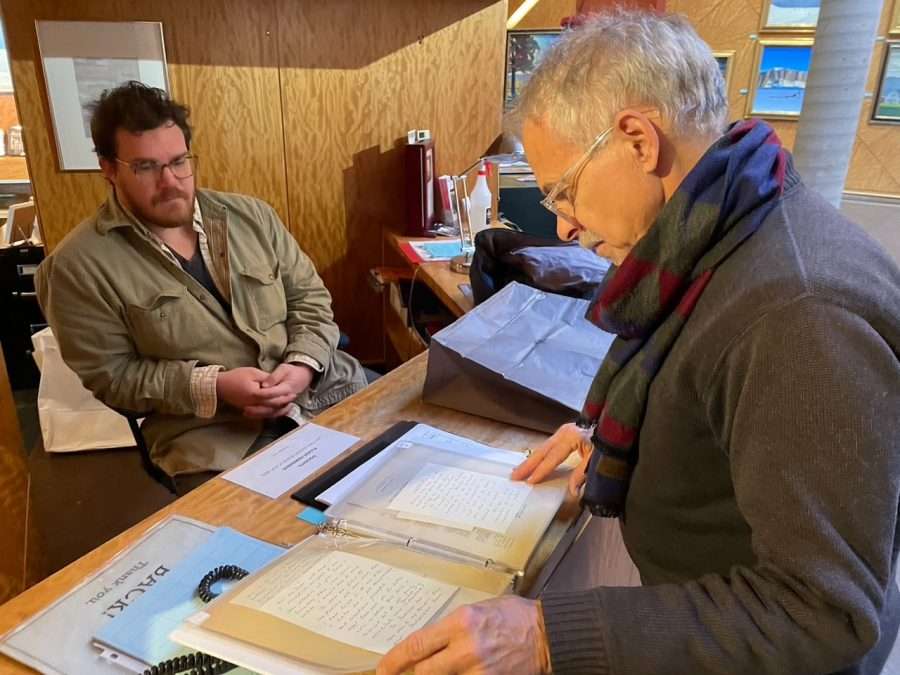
{"x": 568, "y": 182}
{"x": 148, "y": 170}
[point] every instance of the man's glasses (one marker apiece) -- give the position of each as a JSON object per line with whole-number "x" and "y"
{"x": 149, "y": 171}
{"x": 560, "y": 201}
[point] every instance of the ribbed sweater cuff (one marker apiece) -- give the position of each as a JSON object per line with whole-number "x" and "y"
{"x": 574, "y": 632}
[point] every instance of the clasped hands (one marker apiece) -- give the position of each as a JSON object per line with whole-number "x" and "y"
{"x": 503, "y": 635}
{"x": 260, "y": 394}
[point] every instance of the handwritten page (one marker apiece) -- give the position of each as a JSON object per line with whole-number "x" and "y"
{"x": 468, "y": 499}
{"x": 427, "y": 435}
{"x": 349, "y": 598}
{"x": 290, "y": 460}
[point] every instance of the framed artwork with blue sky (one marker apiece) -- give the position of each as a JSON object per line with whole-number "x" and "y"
{"x": 887, "y": 101}
{"x": 524, "y": 51}
{"x": 790, "y": 16}
{"x": 779, "y": 78}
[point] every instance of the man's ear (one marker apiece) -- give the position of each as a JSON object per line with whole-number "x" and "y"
{"x": 641, "y": 138}
{"x": 109, "y": 168}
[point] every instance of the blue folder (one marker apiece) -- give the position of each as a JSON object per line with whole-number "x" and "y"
{"x": 142, "y": 630}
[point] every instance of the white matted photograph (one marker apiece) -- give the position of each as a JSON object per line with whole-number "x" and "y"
{"x": 6, "y": 85}
{"x": 790, "y": 16}
{"x": 81, "y": 59}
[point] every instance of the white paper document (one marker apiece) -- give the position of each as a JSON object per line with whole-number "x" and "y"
{"x": 349, "y": 598}
{"x": 290, "y": 460}
{"x": 427, "y": 435}
{"x": 456, "y": 497}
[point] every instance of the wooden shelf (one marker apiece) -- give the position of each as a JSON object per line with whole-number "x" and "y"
{"x": 13, "y": 168}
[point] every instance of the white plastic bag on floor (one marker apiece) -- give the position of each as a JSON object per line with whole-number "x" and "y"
{"x": 71, "y": 418}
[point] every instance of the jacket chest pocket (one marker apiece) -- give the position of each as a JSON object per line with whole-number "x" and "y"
{"x": 265, "y": 299}
{"x": 161, "y": 326}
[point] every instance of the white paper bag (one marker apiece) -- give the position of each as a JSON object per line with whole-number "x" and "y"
{"x": 71, "y": 418}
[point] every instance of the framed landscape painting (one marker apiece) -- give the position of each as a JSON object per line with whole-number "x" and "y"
{"x": 725, "y": 61}
{"x": 887, "y": 102}
{"x": 779, "y": 78}
{"x": 524, "y": 51}
{"x": 790, "y": 16}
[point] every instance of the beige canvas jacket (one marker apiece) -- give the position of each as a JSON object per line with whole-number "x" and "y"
{"x": 134, "y": 325}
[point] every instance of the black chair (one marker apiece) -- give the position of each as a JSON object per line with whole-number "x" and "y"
{"x": 152, "y": 469}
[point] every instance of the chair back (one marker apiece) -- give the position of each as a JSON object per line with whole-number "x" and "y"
{"x": 156, "y": 473}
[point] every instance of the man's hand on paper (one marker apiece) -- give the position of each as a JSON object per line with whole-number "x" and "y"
{"x": 503, "y": 635}
{"x": 262, "y": 394}
{"x": 553, "y": 452}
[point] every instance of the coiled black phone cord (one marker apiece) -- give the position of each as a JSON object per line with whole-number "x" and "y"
{"x": 199, "y": 663}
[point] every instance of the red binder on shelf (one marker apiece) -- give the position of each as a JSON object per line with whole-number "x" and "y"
{"x": 419, "y": 160}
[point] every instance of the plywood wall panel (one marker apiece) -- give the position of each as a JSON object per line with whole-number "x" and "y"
{"x": 545, "y": 14}
{"x": 349, "y": 98}
{"x": 221, "y": 64}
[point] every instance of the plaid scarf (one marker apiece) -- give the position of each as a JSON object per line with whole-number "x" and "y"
{"x": 648, "y": 299}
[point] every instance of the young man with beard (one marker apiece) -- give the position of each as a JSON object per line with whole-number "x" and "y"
{"x": 194, "y": 307}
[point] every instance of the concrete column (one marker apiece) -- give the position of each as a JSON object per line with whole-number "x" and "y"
{"x": 845, "y": 38}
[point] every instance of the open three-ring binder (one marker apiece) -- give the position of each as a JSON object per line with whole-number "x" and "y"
{"x": 429, "y": 523}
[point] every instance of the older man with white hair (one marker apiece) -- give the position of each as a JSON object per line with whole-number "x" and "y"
{"x": 745, "y": 425}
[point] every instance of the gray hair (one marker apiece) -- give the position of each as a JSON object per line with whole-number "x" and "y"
{"x": 620, "y": 59}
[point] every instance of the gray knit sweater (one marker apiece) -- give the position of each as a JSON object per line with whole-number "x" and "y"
{"x": 763, "y": 512}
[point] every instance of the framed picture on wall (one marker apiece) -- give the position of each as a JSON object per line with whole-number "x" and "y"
{"x": 81, "y": 59}
{"x": 894, "y": 25}
{"x": 725, "y": 61}
{"x": 790, "y": 16}
{"x": 887, "y": 101}
{"x": 524, "y": 51}
{"x": 6, "y": 86}
{"x": 779, "y": 78}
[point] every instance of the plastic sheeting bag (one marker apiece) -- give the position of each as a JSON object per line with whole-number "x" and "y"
{"x": 71, "y": 418}
{"x": 523, "y": 356}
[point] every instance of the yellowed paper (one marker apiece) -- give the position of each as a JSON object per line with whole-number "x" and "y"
{"x": 269, "y": 632}
{"x": 356, "y": 600}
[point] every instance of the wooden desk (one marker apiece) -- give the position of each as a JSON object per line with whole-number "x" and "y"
{"x": 394, "y": 397}
{"x": 438, "y": 276}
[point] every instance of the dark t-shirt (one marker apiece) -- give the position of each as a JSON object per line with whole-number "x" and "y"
{"x": 196, "y": 267}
